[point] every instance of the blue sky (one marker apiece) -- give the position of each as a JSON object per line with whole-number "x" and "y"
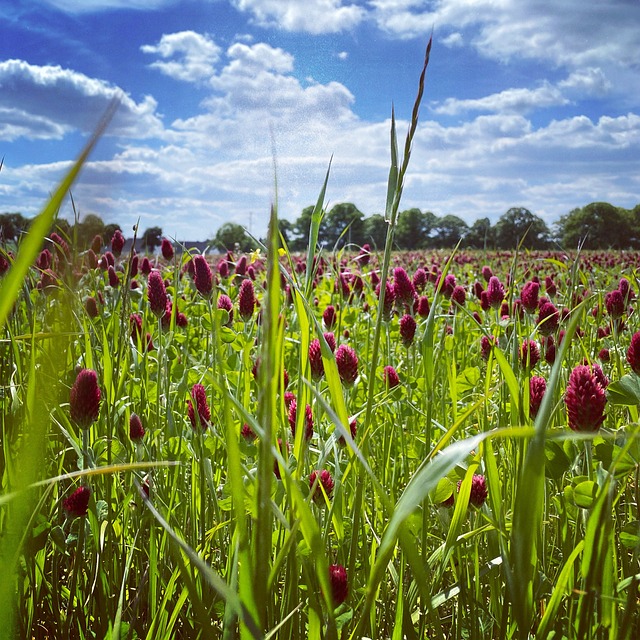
{"x": 532, "y": 103}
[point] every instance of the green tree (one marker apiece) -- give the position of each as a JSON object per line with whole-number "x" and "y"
{"x": 231, "y": 237}
{"x": 344, "y": 224}
{"x": 448, "y": 231}
{"x": 91, "y": 226}
{"x": 375, "y": 231}
{"x": 152, "y": 238}
{"x": 109, "y": 230}
{"x": 414, "y": 228}
{"x": 301, "y": 229}
{"x": 286, "y": 229}
{"x": 12, "y": 225}
{"x": 481, "y": 235}
{"x": 598, "y": 225}
{"x": 518, "y": 223}
{"x": 634, "y": 220}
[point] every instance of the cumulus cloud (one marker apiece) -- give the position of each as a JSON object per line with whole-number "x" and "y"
{"x": 47, "y": 101}
{"x": 508, "y": 101}
{"x": 590, "y": 82}
{"x": 571, "y": 33}
{"x": 255, "y": 93}
{"x": 196, "y": 55}
{"x": 310, "y": 16}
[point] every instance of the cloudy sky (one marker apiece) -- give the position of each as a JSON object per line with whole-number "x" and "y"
{"x": 532, "y": 103}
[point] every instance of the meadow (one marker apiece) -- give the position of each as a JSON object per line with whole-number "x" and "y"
{"x": 466, "y": 464}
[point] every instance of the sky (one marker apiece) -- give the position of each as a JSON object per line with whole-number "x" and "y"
{"x": 528, "y": 103}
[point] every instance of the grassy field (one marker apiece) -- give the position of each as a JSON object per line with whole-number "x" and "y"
{"x": 466, "y": 464}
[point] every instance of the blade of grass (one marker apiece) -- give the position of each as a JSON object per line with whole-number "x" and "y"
{"x": 269, "y": 377}
{"x": 530, "y": 497}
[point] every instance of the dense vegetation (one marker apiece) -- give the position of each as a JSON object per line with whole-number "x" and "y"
{"x": 598, "y": 225}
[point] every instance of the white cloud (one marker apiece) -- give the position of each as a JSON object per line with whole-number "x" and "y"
{"x": 197, "y": 55}
{"x": 453, "y": 40}
{"x": 570, "y": 33}
{"x": 343, "y": 55}
{"x": 589, "y": 81}
{"x": 16, "y": 123}
{"x": 508, "y": 101}
{"x": 310, "y": 16}
{"x": 37, "y": 99}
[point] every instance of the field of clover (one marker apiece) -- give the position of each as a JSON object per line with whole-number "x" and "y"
{"x": 342, "y": 444}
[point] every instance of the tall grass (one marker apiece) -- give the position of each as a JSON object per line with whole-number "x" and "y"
{"x": 206, "y": 531}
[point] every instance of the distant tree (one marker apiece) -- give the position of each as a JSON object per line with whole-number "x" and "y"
{"x": 480, "y": 235}
{"x": 301, "y": 229}
{"x": 91, "y": 226}
{"x": 518, "y": 223}
{"x": 12, "y": 225}
{"x": 286, "y": 228}
{"x": 634, "y": 220}
{"x": 152, "y": 238}
{"x": 231, "y": 236}
{"x": 448, "y": 231}
{"x": 414, "y": 228}
{"x": 344, "y": 224}
{"x": 598, "y": 225}
{"x": 109, "y": 230}
{"x": 375, "y": 231}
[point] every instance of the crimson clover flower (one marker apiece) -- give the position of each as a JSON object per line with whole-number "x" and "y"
{"x": 317, "y": 478}
{"x": 136, "y": 430}
{"x": 202, "y": 276}
{"x": 156, "y": 294}
{"x": 201, "y": 412}
{"x": 390, "y": 377}
{"x": 77, "y": 504}
{"x": 633, "y": 353}
{"x": 339, "y": 583}
{"x": 85, "y": 398}
{"x": 347, "y": 362}
{"x": 585, "y": 400}
{"x": 246, "y": 299}
{"x": 166, "y": 249}
{"x": 308, "y": 419}
{"x": 537, "y": 387}
{"x": 407, "y": 329}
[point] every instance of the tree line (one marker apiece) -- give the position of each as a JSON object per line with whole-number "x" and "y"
{"x": 598, "y": 225}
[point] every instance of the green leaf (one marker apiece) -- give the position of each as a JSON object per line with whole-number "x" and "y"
{"x": 557, "y": 462}
{"x": 625, "y": 391}
{"x": 585, "y": 493}
{"x": 102, "y": 510}
{"x": 630, "y": 535}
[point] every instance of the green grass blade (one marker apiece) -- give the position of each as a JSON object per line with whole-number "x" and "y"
{"x": 269, "y": 378}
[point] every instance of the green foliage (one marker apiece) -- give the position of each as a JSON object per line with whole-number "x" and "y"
{"x": 12, "y": 226}
{"x": 518, "y": 225}
{"x": 152, "y": 238}
{"x": 481, "y": 235}
{"x": 91, "y": 226}
{"x": 375, "y": 231}
{"x": 598, "y": 225}
{"x": 415, "y": 228}
{"x": 233, "y": 237}
{"x": 343, "y": 225}
{"x": 448, "y": 231}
